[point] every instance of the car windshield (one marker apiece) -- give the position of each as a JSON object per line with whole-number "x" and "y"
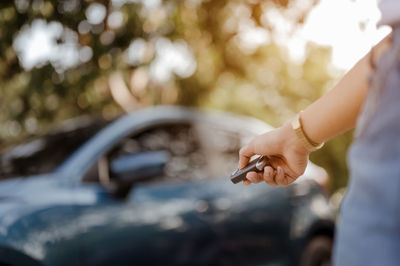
{"x": 42, "y": 154}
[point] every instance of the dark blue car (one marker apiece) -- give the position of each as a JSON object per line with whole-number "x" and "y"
{"x": 153, "y": 188}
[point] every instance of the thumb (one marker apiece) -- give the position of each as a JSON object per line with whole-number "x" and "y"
{"x": 265, "y": 144}
{"x": 245, "y": 154}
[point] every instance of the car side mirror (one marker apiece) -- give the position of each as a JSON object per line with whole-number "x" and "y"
{"x": 131, "y": 168}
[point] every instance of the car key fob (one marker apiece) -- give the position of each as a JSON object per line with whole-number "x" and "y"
{"x": 256, "y": 165}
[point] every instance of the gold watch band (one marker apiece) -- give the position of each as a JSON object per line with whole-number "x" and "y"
{"x": 307, "y": 142}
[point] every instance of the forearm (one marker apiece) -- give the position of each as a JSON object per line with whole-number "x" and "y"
{"x": 337, "y": 111}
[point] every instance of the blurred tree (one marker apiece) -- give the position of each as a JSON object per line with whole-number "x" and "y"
{"x": 61, "y": 59}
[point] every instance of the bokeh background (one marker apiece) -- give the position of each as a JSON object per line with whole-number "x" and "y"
{"x": 264, "y": 58}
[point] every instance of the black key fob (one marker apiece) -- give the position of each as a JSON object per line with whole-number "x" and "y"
{"x": 256, "y": 165}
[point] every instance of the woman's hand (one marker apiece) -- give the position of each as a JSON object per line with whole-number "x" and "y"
{"x": 287, "y": 155}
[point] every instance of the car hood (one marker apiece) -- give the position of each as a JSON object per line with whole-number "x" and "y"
{"x": 19, "y": 187}
{"x": 9, "y": 187}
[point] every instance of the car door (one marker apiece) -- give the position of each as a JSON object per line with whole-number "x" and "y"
{"x": 151, "y": 221}
{"x": 252, "y": 223}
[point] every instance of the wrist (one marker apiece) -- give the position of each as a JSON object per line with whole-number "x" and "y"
{"x": 291, "y": 140}
{"x": 298, "y": 128}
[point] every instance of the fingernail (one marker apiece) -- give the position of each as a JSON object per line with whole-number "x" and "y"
{"x": 279, "y": 169}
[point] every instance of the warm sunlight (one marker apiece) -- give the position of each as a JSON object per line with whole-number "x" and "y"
{"x": 349, "y": 27}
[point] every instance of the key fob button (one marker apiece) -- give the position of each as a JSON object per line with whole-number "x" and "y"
{"x": 235, "y": 172}
{"x": 261, "y": 162}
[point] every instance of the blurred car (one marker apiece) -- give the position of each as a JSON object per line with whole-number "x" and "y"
{"x": 153, "y": 188}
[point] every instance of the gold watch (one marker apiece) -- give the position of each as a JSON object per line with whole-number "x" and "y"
{"x": 307, "y": 142}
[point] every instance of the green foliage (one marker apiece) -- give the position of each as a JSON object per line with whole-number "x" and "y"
{"x": 260, "y": 80}
{"x": 333, "y": 158}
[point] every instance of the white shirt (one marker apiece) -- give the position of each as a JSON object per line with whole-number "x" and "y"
{"x": 390, "y": 10}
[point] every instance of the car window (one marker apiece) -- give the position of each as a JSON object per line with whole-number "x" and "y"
{"x": 42, "y": 154}
{"x": 196, "y": 151}
{"x": 180, "y": 141}
{"x": 221, "y": 145}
